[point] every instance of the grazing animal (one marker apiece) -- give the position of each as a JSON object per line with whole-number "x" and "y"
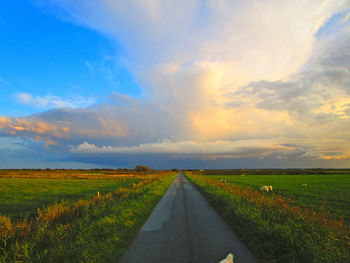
{"x": 304, "y": 184}
{"x": 266, "y": 188}
{"x": 228, "y": 259}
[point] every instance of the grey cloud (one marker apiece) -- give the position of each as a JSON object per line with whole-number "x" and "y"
{"x": 234, "y": 104}
{"x": 132, "y": 121}
{"x": 326, "y": 75}
{"x": 347, "y": 111}
{"x": 161, "y": 161}
{"x": 234, "y": 149}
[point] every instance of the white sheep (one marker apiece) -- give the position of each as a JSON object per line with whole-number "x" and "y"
{"x": 228, "y": 259}
{"x": 304, "y": 184}
{"x": 266, "y": 188}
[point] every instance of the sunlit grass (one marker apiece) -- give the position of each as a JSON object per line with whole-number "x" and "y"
{"x": 326, "y": 191}
{"x": 95, "y": 229}
{"x": 275, "y": 227}
{"x": 20, "y": 197}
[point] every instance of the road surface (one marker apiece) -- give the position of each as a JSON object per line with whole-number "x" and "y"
{"x": 184, "y": 228}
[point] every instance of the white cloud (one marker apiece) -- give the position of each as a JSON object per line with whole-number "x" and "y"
{"x": 51, "y": 101}
{"x": 280, "y": 148}
{"x": 224, "y": 78}
{"x": 191, "y": 55}
{"x": 317, "y": 98}
{"x": 219, "y": 149}
{"x": 248, "y": 40}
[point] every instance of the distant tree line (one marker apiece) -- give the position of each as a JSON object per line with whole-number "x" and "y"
{"x": 142, "y": 168}
{"x": 147, "y": 169}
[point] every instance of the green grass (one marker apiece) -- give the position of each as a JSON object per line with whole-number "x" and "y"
{"x": 274, "y": 228}
{"x": 21, "y": 196}
{"x": 330, "y": 192}
{"x": 95, "y": 230}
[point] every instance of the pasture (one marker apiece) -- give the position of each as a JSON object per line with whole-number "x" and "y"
{"x": 20, "y": 197}
{"x": 293, "y": 223}
{"x": 327, "y": 192}
{"x": 69, "y": 221}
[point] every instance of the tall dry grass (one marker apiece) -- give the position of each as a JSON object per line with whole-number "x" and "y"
{"x": 98, "y": 229}
{"x": 62, "y": 212}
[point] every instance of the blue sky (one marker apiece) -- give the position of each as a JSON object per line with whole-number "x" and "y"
{"x": 42, "y": 55}
{"x": 191, "y": 83}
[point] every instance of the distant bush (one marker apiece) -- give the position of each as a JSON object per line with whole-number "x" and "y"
{"x": 142, "y": 168}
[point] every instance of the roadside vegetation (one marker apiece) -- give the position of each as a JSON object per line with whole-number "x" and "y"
{"x": 96, "y": 228}
{"x": 275, "y": 226}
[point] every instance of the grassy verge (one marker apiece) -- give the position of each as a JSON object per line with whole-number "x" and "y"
{"x": 274, "y": 228}
{"x": 99, "y": 229}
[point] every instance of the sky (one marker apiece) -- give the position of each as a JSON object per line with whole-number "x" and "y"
{"x": 175, "y": 84}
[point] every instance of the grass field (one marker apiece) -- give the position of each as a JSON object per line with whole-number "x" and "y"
{"x": 69, "y": 174}
{"x": 294, "y": 223}
{"x": 20, "y": 197}
{"x": 89, "y": 228}
{"x": 330, "y": 192}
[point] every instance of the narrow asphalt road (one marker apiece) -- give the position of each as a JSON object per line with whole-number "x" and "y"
{"x": 184, "y": 228}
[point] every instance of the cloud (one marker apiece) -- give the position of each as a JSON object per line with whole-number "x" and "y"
{"x": 316, "y": 98}
{"x": 336, "y": 157}
{"x": 280, "y": 148}
{"x": 123, "y": 121}
{"x": 235, "y": 42}
{"x": 234, "y": 79}
{"x": 221, "y": 149}
{"x": 50, "y": 101}
{"x": 62, "y": 124}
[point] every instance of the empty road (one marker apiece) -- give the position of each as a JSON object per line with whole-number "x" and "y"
{"x": 184, "y": 228}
